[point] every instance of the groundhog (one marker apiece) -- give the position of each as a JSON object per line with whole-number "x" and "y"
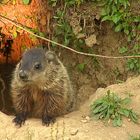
{"x": 41, "y": 87}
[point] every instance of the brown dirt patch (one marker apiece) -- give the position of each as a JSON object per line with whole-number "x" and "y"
{"x": 75, "y": 126}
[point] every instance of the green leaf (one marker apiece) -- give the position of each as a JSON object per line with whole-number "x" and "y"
{"x": 123, "y": 50}
{"x": 116, "y": 18}
{"x": 126, "y": 31}
{"x": 124, "y": 112}
{"x": 118, "y": 28}
{"x": 103, "y": 12}
{"x": 126, "y": 101}
{"x": 117, "y": 121}
{"x": 81, "y": 66}
{"x": 26, "y": 2}
{"x": 133, "y": 116}
{"x": 106, "y": 18}
{"x": 97, "y": 109}
{"x": 132, "y": 66}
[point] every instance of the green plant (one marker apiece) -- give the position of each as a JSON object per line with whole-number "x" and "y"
{"x": 123, "y": 50}
{"x": 112, "y": 107}
{"x": 81, "y": 67}
{"x": 135, "y": 137}
{"x": 132, "y": 64}
{"x": 63, "y": 32}
{"x": 118, "y": 12}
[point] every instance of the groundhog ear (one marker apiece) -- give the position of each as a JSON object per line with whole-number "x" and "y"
{"x": 51, "y": 57}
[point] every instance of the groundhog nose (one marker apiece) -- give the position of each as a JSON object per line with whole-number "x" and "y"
{"x": 23, "y": 75}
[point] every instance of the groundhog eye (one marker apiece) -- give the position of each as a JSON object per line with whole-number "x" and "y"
{"x": 37, "y": 66}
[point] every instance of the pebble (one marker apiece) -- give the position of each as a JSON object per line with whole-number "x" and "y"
{"x": 84, "y": 121}
{"x": 87, "y": 118}
{"x": 86, "y": 131}
{"x": 74, "y": 132}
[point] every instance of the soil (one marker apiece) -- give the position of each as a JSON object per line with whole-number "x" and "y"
{"x": 78, "y": 125}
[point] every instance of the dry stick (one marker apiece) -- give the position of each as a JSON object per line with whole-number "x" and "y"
{"x": 63, "y": 46}
{"x": 2, "y": 93}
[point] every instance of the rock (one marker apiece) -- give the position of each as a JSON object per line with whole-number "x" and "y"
{"x": 84, "y": 121}
{"x": 80, "y": 35}
{"x": 87, "y": 118}
{"x": 74, "y": 132}
{"x": 91, "y": 40}
{"x": 77, "y": 29}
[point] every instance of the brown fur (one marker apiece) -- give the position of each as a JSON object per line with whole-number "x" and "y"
{"x": 50, "y": 94}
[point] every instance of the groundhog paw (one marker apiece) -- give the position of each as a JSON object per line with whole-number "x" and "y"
{"x": 46, "y": 120}
{"x": 19, "y": 120}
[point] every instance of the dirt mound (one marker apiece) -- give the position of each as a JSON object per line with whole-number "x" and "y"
{"x": 77, "y": 125}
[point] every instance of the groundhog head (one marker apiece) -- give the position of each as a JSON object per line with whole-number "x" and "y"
{"x": 34, "y": 63}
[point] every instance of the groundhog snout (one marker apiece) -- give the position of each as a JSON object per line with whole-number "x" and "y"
{"x": 23, "y": 75}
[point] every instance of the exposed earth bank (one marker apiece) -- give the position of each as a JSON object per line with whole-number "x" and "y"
{"x": 78, "y": 125}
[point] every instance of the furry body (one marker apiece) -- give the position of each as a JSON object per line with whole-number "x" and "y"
{"x": 46, "y": 92}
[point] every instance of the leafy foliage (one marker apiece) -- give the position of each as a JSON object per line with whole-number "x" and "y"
{"x": 112, "y": 107}
{"x": 133, "y": 64}
{"x": 63, "y": 32}
{"x": 118, "y": 12}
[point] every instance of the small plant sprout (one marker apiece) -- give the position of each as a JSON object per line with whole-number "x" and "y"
{"x": 112, "y": 107}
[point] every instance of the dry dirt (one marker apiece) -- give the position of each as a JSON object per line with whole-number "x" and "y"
{"x": 77, "y": 125}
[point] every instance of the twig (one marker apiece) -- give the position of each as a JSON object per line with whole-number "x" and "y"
{"x": 2, "y": 93}
{"x": 63, "y": 46}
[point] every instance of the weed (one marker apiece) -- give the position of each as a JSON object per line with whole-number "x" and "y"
{"x": 135, "y": 137}
{"x": 81, "y": 67}
{"x": 134, "y": 65}
{"x": 63, "y": 32}
{"x": 119, "y": 13}
{"x": 112, "y": 107}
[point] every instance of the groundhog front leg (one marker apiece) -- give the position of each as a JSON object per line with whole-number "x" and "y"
{"x": 22, "y": 104}
{"x": 53, "y": 106}
{"x": 47, "y": 118}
